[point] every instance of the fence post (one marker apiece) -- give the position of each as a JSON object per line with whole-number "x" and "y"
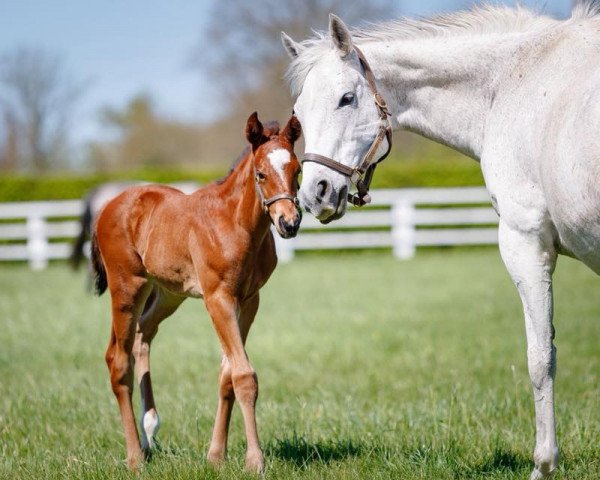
{"x": 284, "y": 248}
{"x": 37, "y": 242}
{"x": 403, "y": 229}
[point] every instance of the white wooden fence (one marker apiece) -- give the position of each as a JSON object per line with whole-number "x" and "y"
{"x": 28, "y": 229}
{"x": 401, "y": 219}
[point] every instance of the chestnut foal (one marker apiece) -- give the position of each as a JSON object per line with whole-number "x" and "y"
{"x": 154, "y": 246}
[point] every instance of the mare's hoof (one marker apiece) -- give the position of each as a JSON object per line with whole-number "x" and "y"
{"x": 537, "y": 475}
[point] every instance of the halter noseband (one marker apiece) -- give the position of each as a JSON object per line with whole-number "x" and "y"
{"x": 362, "y": 175}
{"x": 265, "y": 202}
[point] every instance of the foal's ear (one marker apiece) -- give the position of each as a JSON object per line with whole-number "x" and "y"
{"x": 292, "y": 48}
{"x": 292, "y": 131}
{"x": 254, "y": 131}
{"x": 340, "y": 35}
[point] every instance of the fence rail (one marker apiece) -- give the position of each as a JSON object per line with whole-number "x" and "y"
{"x": 401, "y": 219}
{"x": 404, "y": 219}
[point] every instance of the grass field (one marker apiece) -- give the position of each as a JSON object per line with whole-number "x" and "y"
{"x": 369, "y": 368}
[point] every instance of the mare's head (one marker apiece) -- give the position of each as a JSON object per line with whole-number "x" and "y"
{"x": 338, "y": 115}
{"x": 276, "y": 171}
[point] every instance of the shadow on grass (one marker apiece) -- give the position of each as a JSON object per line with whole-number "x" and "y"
{"x": 301, "y": 452}
{"x": 457, "y": 460}
{"x": 503, "y": 460}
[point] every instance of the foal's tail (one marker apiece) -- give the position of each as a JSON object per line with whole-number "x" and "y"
{"x": 98, "y": 267}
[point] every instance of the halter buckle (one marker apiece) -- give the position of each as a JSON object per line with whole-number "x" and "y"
{"x": 379, "y": 101}
{"x": 381, "y": 104}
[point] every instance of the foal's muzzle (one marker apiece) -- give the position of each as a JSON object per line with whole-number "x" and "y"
{"x": 289, "y": 228}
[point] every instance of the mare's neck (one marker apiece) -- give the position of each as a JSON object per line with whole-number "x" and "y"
{"x": 443, "y": 87}
{"x": 239, "y": 193}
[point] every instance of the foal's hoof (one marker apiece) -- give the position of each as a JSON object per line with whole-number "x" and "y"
{"x": 135, "y": 462}
{"x": 255, "y": 464}
{"x": 216, "y": 459}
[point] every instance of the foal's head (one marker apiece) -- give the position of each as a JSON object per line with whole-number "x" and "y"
{"x": 276, "y": 171}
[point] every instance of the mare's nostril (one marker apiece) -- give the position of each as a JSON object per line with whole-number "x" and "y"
{"x": 282, "y": 225}
{"x": 321, "y": 190}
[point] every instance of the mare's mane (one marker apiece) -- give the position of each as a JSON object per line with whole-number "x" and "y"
{"x": 479, "y": 20}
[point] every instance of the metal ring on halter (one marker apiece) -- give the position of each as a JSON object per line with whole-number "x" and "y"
{"x": 362, "y": 175}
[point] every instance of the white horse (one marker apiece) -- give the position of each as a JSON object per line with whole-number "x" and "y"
{"x": 517, "y": 91}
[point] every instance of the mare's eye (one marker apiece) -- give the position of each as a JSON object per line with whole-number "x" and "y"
{"x": 260, "y": 176}
{"x": 347, "y": 99}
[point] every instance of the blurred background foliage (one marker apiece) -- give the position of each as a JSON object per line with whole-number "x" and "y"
{"x": 242, "y": 53}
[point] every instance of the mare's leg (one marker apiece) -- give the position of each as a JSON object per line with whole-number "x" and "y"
{"x": 530, "y": 261}
{"x": 222, "y": 308}
{"x": 158, "y": 307}
{"x": 128, "y": 294}
{"x": 218, "y": 445}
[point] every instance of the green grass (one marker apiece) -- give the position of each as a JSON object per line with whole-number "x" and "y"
{"x": 369, "y": 368}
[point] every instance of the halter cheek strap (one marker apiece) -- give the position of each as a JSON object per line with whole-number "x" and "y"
{"x": 362, "y": 175}
{"x": 265, "y": 202}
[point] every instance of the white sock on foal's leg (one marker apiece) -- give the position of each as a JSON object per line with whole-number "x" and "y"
{"x": 150, "y": 424}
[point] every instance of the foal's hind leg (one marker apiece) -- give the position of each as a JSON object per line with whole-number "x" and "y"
{"x": 218, "y": 445}
{"x": 128, "y": 296}
{"x": 158, "y": 307}
{"x": 222, "y": 308}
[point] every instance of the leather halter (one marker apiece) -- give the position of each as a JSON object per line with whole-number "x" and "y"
{"x": 265, "y": 202}
{"x": 362, "y": 175}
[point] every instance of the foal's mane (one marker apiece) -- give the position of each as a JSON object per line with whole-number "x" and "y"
{"x": 479, "y": 20}
{"x": 271, "y": 129}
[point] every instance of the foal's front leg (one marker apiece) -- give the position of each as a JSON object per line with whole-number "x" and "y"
{"x": 218, "y": 445}
{"x": 222, "y": 308}
{"x": 530, "y": 262}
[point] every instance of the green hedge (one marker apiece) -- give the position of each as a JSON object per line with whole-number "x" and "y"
{"x": 15, "y": 188}
{"x": 395, "y": 172}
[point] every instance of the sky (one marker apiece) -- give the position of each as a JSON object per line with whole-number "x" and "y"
{"x": 123, "y": 48}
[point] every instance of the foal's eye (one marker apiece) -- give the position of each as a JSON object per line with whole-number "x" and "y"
{"x": 260, "y": 176}
{"x": 347, "y": 99}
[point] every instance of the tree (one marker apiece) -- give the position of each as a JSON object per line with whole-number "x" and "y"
{"x": 145, "y": 138}
{"x": 36, "y": 100}
{"x": 9, "y": 146}
{"x": 241, "y": 52}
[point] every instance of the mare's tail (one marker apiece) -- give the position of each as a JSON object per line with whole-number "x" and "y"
{"x": 98, "y": 267}
{"x": 85, "y": 222}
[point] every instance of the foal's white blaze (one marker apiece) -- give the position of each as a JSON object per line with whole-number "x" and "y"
{"x": 279, "y": 158}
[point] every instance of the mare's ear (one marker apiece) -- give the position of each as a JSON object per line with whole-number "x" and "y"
{"x": 340, "y": 35}
{"x": 292, "y": 48}
{"x": 254, "y": 131}
{"x": 292, "y": 130}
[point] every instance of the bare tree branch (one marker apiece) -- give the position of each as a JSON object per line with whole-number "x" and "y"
{"x": 242, "y": 50}
{"x": 37, "y": 94}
